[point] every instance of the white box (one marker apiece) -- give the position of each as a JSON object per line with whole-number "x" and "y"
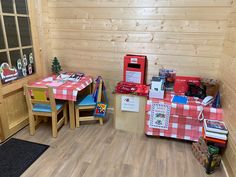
{"x": 156, "y": 94}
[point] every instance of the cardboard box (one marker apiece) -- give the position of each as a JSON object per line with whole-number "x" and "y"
{"x": 128, "y": 120}
{"x": 157, "y": 88}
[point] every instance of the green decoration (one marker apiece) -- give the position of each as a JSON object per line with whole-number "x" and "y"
{"x": 56, "y": 67}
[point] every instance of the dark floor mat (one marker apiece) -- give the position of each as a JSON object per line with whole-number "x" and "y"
{"x": 17, "y": 155}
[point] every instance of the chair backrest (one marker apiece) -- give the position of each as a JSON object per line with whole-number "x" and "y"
{"x": 98, "y": 90}
{"x": 39, "y": 95}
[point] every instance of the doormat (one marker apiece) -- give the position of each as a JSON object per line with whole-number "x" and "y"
{"x": 17, "y": 155}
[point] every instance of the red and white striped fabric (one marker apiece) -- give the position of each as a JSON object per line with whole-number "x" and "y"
{"x": 183, "y": 122}
{"x": 68, "y": 90}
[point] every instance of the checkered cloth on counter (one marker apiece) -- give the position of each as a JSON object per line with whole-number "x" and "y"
{"x": 183, "y": 122}
{"x": 68, "y": 90}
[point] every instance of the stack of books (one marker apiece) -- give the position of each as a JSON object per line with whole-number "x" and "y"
{"x": 215, "y": 131}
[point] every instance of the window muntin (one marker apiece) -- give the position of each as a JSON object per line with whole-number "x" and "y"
{"x": 11, "y": 32}
{"x": 21, "y": 7}
{"x": 2, "y": 42}
{"x": 24, "y": 28}
{"x": 3, "y": 57}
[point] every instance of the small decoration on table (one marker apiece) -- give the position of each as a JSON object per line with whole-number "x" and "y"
{"x": 157, "y": 87}
{"x": 169, "y": 75}
{"x": 181, "y": 83}
{"x": 196, "y": 91}
{"x": 180, "y": 99}
{"x": 100, "y": 110}
{"x": 212, "y": 86}
{"x": 56, "y": 66}
{"x": 131, "y": 88}
{"x": 216, "y": 103}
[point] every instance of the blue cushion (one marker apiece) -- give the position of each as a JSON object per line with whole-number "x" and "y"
{"x": 86, "y": 101}
{"x": 46, "y": 107}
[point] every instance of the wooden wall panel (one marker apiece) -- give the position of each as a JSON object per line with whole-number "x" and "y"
{"x": 140, "y": 3}
{"x": 227, "y": 75}
{"x": 150, "y": 13}
{"x": 93, "y": 36}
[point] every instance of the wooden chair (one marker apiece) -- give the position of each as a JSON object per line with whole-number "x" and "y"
{"x": 88, "y": 103}
{"x": 41, "y": 102}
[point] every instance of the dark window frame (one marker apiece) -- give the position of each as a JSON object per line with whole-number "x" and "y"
{"x": 29, "y": 45}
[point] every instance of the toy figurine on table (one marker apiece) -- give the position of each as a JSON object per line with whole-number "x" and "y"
{"x": 169, "y": 75}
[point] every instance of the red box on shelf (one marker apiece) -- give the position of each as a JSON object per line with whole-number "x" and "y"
{"x": 181, "y": 83}
{"x": 135, "y": 69}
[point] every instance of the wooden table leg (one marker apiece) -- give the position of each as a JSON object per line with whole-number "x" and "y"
{"x": 72, "y": 114}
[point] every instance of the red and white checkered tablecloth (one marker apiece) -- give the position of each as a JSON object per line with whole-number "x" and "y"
{"x": 183, "y": 122}
{"x": 68, "y": 90}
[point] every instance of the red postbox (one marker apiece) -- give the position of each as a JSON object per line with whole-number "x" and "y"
{"x": 135, "y": 69}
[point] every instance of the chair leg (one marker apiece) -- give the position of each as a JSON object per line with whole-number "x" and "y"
{"x": 77, "y": 117}
{"x": 65, "y": 114}
{"x": 101, "y": 121}
{"x": 54, "y": 125}
{"x": 31, "y": 124}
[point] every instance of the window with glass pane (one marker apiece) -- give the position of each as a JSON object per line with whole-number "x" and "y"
{"x": 17, "y": 61}
{"x": 24, "y": 28}
{"x": 10, "y": 26}
{"x": 7, "y": 6}
{"x": 15, "y": 55}
{"x": 21, "y": 7}
{"x": 3, "y": 57}
{"x": 28, "y": 54}
{"x": 2, "y": 43}
{"x": 15, "y": 28}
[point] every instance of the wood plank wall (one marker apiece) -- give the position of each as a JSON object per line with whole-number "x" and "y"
{"x": 93, "y": 36}
{"x": 227, "y": 75}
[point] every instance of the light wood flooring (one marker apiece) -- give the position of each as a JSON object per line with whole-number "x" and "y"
{"x": 102, "y": 151}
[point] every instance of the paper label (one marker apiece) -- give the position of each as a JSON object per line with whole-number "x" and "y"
{"x": 160, "y": 116}
{"x": 133, "y": 76}
{"x": 134, "y": 60}
{"x": 130, "y": 103}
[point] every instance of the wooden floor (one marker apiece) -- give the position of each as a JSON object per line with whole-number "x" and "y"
{"x": 101, "y": 151}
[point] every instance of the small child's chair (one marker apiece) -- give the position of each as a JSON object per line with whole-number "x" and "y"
{"x": 41, "y": 102}
{"x": 88, "y": 103}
